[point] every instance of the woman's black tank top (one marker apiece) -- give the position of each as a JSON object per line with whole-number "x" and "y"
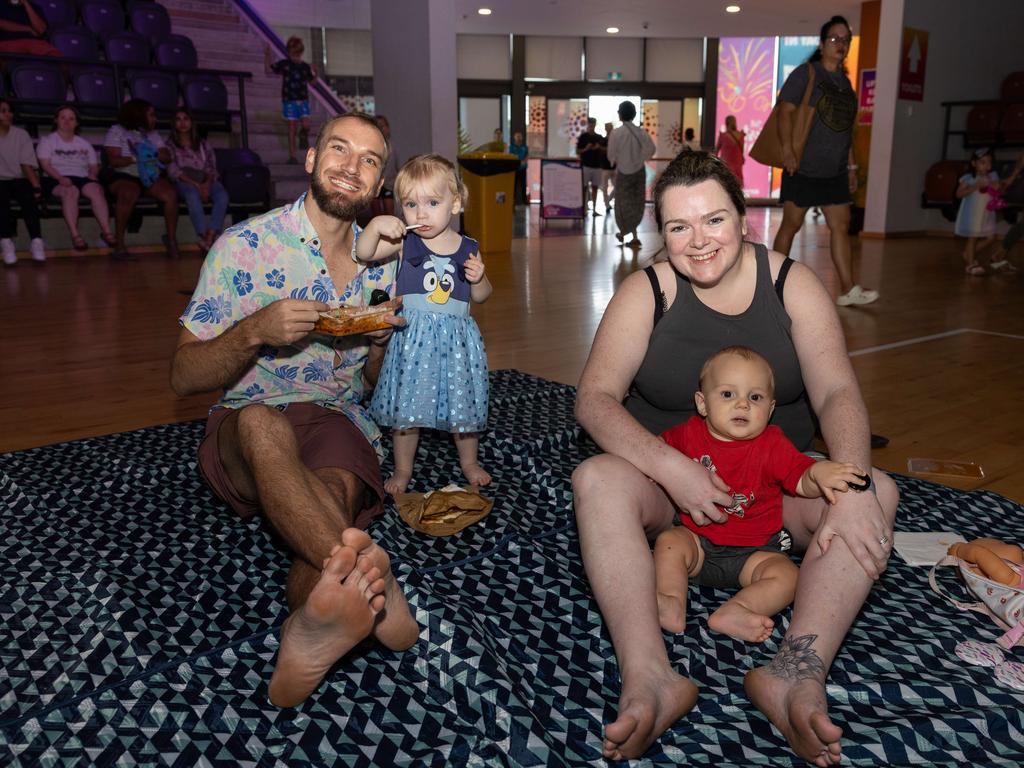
{"x": 690, "y": 332}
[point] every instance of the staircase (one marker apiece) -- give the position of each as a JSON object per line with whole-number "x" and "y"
{"x": 225, "y": 39}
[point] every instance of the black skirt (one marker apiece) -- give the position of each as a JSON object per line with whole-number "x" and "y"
{"x": 806, "y": 191}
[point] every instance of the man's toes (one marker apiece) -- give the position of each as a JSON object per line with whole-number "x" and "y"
{"x": 341, "y": 562}
{"x": 356, "y": 538}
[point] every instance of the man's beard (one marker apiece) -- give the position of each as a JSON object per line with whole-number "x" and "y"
{"x": 336, "y": 204}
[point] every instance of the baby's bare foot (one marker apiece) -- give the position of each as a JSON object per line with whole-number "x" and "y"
{"x": 397, "y": 483}
{"x": 740, "y": 622}
{"x": 395, "y": 628}
{"x": 671, "y": 612}
{"x": 337, "y": 615}
{"x": 475, "y": 474}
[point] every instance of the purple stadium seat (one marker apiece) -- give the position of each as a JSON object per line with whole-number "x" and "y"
{"x": 57, "y": 13}
{"x": 205, "y": 94}
{"x": 176, "y": 51}
{"x": 128, "y": 48}
{"x": 76, "y": 43}
{"x": 103, "y": 17}
{"x": 158, "y": 88}
{"x": 95, "y": 92}
{"x": 151, "y": 21}
{"x": 38, "y": 81}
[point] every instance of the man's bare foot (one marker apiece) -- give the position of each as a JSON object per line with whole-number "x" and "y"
{"x": 671, "y": 612}
{"x": 647, "y": 709}
{"x": 738, "y": 621}
{"x": 397, "y": 483}
{"x": 337, "y": 615}
{"x": 797, "y": 708}
{"x": 395, "y": 627}
{"x": 476, "y": 475}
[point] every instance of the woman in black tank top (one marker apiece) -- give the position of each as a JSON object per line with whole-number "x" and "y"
{"x": 717, "y": 290}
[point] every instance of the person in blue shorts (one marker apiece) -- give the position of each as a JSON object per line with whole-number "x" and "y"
{"x": 295, "y": 78}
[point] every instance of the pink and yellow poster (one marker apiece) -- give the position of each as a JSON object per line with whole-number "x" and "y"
{"x": 746, "y": 69}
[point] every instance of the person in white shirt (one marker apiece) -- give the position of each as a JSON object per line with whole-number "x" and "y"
{"x": 72, "y": 169}
{"x": 629, "y": 147}
{"x": 18, "y": 180}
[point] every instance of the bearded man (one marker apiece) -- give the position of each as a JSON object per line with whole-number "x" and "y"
{"x": 289, "y": 437}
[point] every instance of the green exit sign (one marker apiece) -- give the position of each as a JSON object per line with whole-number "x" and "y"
{"x": 614, "y": 75}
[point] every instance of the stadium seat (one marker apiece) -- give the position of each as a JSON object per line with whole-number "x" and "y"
{"x": 128, "y": 48}
{"x": 96, "y": 93}
{"x": 205, "y": 95}
{"x": 75, "y": 43}
{"x": 1012, "y": 91}
{"x": 103, "y": 17}
{"x": 38, "y": 88}
{"x": 940, "y": 184}
{"x": 151, "y": 21}
{"x": 244, "y": 176}
{"x": 158, "y": 88}
{"x": 57, "y": 13}
{"x": 982, "y": 125}
{"x": 176, "y": 51}
{"x": 1012, "y": 126}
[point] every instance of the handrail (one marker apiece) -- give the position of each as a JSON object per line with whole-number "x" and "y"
{"x": 327, "y": 97}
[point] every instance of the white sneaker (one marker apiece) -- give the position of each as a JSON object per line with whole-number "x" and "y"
{"x": 38, "y": 249}
{"x": 857, "y": 295}
{"x": 10, "y": 255}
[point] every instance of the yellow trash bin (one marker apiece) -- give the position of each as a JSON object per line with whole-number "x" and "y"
{"x": 490, "y": 179}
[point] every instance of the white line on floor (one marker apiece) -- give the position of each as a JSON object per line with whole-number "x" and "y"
{"x": 932, "y": 337}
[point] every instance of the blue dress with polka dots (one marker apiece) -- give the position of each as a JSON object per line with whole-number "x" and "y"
{"x": 434, "y": 373}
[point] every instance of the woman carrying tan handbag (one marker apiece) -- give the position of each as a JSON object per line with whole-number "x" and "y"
{"x": 823, "y": 174}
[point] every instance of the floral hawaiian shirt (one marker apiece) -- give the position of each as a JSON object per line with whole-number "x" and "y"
{"x": 277, "y": 256}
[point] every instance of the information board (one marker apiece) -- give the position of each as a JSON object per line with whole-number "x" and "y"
{"x": 561, "y": 189}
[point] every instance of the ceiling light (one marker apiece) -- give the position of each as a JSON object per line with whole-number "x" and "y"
{"x": 486, "y": 11}
{"x": 732, "y": 9}
{"x": 612, "y": 30}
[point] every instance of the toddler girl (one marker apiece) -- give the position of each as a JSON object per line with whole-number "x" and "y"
{"x": 435, "y": 371}
{"x": 976, "y": 219}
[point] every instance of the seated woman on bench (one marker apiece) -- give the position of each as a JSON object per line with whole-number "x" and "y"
{"x": 135, "y": 156}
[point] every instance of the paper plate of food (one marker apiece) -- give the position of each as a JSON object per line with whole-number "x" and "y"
{"x": 346, "y": 321}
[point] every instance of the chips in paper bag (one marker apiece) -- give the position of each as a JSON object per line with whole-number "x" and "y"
{"x": 445, "y": 511}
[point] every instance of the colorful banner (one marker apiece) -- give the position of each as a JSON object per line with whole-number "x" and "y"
{"x": 793, "y": 51}
{"x": 746, "y": 74}
{"x": 866, "y": 97}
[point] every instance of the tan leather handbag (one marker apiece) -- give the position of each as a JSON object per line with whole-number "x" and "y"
{"x": 768, "y": 148}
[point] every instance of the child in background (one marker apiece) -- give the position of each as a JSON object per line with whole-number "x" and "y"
{"x": 295, "y": 78}
{"x": 976, "y": 220}
{"x": 731, "y": 437}
{"x": 435, "y": 370}
{"x": 1000, "y": 257}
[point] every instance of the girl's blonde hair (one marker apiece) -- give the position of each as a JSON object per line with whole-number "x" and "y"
{"x": 426, "y": 169}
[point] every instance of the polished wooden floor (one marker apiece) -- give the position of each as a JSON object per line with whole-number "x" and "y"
{"x": 86, "y": 341}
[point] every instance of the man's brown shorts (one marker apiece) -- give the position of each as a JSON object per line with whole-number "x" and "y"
{"x": 326, "y": 439}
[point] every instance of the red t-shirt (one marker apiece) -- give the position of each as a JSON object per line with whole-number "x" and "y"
{"x": 756, "y": 470}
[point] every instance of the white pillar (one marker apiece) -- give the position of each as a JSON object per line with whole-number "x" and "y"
{"x": 414, "y": 74}
{"x": 890, "y": 43}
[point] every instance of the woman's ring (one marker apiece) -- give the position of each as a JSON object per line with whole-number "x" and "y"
{"x": 884, "y": 541}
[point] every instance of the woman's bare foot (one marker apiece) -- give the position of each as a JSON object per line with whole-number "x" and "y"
{"x": 647, "y": 708}
{"x": 476, "y": 475}
{"x": 671, "y": 612}
{"x": 397, "y": 483}
{"x": 738, "y": 621}
{"x": 395, "y": 627}
{"x": 796, "y": 706}
{"x": 336, "y": 616}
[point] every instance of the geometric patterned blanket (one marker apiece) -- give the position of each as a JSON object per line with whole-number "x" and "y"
{"x": 140, "y": 620}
